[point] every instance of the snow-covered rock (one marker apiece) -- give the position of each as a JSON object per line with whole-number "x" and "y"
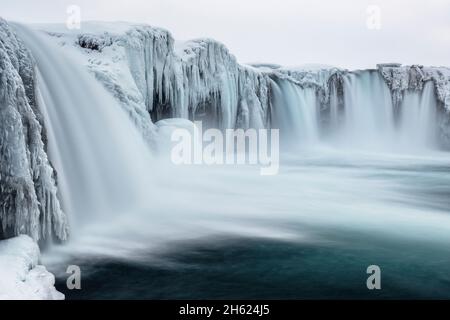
{"x": 28, "y": 193}
{"x": 20, "y": 275}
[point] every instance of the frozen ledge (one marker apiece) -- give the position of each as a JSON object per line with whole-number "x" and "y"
{"x": 21, "y": 278}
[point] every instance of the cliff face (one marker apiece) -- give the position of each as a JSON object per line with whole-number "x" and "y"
{"x": 28, "y": 193}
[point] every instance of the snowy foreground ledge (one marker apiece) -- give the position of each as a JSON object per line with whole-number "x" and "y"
{"x": 20, "y": 275}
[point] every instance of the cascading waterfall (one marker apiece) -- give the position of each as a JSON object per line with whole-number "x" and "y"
{"x": 369, "y": 114}
{"x": 369, "y": 119}
{"x": 363, "y": 116}
{"x": 295, "y": 113}
{"x": 418, "y": 118}
{"x": 101, "y": 159}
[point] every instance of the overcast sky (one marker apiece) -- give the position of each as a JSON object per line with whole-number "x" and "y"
{"x": 343, "y": 33}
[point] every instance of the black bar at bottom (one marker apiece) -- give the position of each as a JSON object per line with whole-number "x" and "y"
{"x": 222, "y": 309}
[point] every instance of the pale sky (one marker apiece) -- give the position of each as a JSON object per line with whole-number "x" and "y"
{"x": 286, "y": 32}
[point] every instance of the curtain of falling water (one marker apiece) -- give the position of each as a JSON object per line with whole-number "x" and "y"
{"x": 102, "y": 162}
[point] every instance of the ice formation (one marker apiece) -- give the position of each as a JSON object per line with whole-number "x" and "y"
{"x": 20, "y": 275}
{"x": 150, "y": 73}
{"x": 28, "y": 192}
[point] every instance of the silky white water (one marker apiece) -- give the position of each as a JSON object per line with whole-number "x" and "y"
{"x": 369, "y": 115}
{"x": 102, "y": 162}
{"x": 295, "y": 114}
{"x": 368, "y": 120}
{"x": 419, "y": 118}
{"x": 371, "y": 121}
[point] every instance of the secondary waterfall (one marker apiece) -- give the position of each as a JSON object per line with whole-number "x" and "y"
{"x": 363, "y": 116}
{"x": 418, "y": 118}
{"x": 368, "y": 120}
{"x": 295, "y": 113}
{"x": 101, "y": 160}
{"x": 371, "y": 121}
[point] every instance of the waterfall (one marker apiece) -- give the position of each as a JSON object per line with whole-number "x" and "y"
{"x": 418, "y": 118}
{"x": 101, "y": 160}
{"x": 295, "y": 113}
{"x": 104, "y": 166}
{"x": 368, "y": 120}
{"x": 363, "y": 116}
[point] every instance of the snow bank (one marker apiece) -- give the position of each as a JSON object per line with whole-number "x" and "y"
{"x": 20, "y": 275}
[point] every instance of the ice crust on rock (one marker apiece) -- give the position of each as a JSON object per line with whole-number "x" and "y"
{"x": 20, "y": 275}
{"x": 28, "y": 193}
